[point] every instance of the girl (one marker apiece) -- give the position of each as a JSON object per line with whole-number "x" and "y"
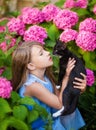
{"x": 31, "y": 77}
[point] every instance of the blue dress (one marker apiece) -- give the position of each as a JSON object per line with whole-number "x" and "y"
{"x": 73, "y": 121}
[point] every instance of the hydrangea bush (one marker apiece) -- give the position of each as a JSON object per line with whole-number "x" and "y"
{"x": 74, "y": 22}
{"x": 5, "y": 88}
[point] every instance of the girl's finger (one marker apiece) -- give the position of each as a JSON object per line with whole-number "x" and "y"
{"x": 71, "y": 64}
{"x": 79, "y": 87}
{"x": 79, "y": 80}
{"x": 77, "y": 83}
{"x": 84, "y": 76}
{"x": 71, "y": 60}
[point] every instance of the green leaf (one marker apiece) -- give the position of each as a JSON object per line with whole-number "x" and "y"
{"x": 4, "y": 108}
{"x": 92, "y": 89}
{"x": 49, "y": 122}
{"x": 80, "y": 11}
{"x": 15, "y": 97}
{"x": 82, "y": 52}
{"x": 14, "y": 14}
{"x": 27, "y": 101}
{"x": 12, "y": 122}
{"x": 86, "y": 56}
{"x": 89, "y": 58}
{"x": 92, "y": 2}
{"x": 5, "y": 59}
{"x": 9, "y": 52}
{"x": 49, "y": 44}
{"x": 46, "y": 25}
{"x": 32, "y": 116}
{"x": 3, "y": 125}
{"x": 18, "y": 40}
{"x": 56, "y": 61}
{"x": 41, "y": 110}
{"x": 86, "y": 100}
{"x": 2, "y": 37}
{"x": 8, "y": 41}
{"x": 53, "y": 33}
{"x": 3, "y": 22}
{"x": 7, "y": 73}
{"x": 20, "y": 112}
{"x": 41, "y": 4}
{"x": 60, "y": 3}
{"x": 91, "y": 65}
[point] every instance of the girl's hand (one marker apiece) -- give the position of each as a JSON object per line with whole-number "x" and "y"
{"x": 80, "y": 83}
{"x": 70, "y": 66}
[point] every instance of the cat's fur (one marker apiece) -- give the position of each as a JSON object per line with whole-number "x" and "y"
{"x": 70, "y": 94}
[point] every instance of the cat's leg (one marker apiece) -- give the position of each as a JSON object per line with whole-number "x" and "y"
{"x": 66, "y": 102}
{"x": 74, "y": 103}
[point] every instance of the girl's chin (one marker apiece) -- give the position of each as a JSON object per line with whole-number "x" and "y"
{"x": 50, "y": 64}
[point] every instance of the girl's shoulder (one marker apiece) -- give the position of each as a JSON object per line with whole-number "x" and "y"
{"x": 33, "y": 81}
{"x": 28, "y": 82}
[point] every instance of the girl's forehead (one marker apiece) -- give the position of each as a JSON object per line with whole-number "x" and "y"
{"x": 36, "y": 48}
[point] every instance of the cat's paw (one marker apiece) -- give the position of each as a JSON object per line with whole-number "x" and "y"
{"x": 58, "y": 113}
{"x": 58, "y": 86}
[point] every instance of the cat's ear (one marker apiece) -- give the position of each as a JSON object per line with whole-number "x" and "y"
{"x": 65, "y": 45}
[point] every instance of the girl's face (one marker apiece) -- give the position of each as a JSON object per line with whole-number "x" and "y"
{"x": 40, "y": 57}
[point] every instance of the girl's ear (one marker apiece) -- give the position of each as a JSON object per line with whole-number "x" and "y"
{"x": 30, "y": 66}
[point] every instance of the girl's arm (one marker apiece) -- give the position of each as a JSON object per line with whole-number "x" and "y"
{"x": 39, "y": 91}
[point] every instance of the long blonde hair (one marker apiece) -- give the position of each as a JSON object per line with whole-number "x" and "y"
{"x": 20, "y": 58}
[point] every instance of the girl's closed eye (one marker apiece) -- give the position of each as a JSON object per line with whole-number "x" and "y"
{"x": 41, "y": 53}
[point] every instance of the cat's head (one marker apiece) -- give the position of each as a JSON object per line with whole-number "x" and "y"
{"x": 59, "y": 48}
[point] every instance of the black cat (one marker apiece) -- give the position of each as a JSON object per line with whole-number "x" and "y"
{"x": 70, "y": 94}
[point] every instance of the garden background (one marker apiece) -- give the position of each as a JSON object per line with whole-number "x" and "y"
{"x": 74, "y": 22}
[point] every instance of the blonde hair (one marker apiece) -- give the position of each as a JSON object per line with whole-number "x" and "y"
{"x": 20, "y": 58}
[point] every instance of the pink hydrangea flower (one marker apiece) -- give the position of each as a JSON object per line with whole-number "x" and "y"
{"x": 65, "y": 19}
{"x": 88, "y": 24}
{"x": 3, "y": 46}
{"x": 35, "y": 33}
{"x": 5, "y": 88}
{"x": 69, "y": 4}
{"x": 12, "y": 43}
{"x": 16, "y": 25}
{"x": 68, "y": 35}
{"x": 90, "y": 77}
{"x": 81, "y": 3}
{"x": 2, "y": 28}
{"x": 50, "y": 11}
{"x": 86, "y": 40}
{"x": 32, "y": 15}
{"x": 94, "y": 9}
